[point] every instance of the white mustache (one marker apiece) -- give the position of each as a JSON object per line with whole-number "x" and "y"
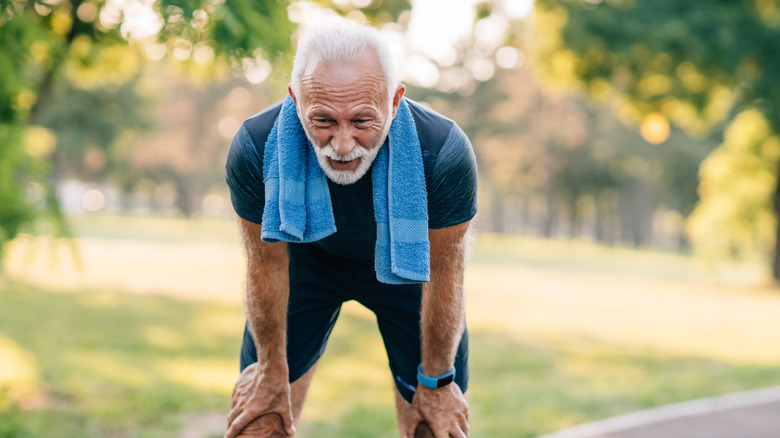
{"x": 356, "y": 152}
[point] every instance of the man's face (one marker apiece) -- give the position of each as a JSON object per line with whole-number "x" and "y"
{"x": 346, "y": 113}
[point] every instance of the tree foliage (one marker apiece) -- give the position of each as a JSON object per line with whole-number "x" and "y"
{"x": 65, "y": 66}
{"x": 698, "y": 63}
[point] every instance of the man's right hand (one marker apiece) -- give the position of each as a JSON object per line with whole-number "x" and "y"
{"x": 259, "y": 395}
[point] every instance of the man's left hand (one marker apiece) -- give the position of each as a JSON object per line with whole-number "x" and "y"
{"x": 445, "y": 410}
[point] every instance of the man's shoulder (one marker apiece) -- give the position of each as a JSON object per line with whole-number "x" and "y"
{"x": 432, "y": 127}
{"x": 259, "y": 125}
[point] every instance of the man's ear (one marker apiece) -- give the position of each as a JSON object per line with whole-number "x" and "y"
{"x": 290, "y": 92}
{"x": 399, "y": 93}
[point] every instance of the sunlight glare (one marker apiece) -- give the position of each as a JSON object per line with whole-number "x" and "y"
{"x": 422, "y": 71}
{"x": 18, "y": 369}
{"x": 517, "y": 9}
{"x": 436, "y": 26}
{"x": 140, "y": 19}
{"x": 491, "y": 31}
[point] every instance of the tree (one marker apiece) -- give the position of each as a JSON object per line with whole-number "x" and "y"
{"x": 696, "y": 63}
{"x": 80, "y": 43}
{"x": 552, "y": 163}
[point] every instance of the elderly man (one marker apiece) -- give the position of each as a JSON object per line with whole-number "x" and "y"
{"x": 347, "y": 190}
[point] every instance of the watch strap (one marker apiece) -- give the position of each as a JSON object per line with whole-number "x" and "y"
{"x": 435, "y": 382}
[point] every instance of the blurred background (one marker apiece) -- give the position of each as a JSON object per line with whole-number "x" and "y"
{"x": 626, "y": 254}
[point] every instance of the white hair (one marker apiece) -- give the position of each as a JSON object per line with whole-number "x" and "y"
{"x": 342, "y": 44}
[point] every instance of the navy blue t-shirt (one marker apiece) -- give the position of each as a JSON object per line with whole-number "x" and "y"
{"x": 450, "y": 177}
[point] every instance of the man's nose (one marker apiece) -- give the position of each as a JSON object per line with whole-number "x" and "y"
{"x": 343, "y": 142}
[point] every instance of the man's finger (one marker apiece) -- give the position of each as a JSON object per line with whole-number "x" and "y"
{"x": 464, "y": 423}
{"x": 238, "y": 424}
{"x": 233, "y": 414}
{"x": 411, "y": 429}
{"x": 459, "y": 433}
{"x": 289, "y": 422}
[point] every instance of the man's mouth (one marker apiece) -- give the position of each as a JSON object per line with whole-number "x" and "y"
{"x": 344, "y": 165}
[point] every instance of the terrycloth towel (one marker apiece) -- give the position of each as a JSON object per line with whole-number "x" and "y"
{"x": 298, "y": 206}
{"x": 402, "y": 253}
{"x": 297, "y": 199}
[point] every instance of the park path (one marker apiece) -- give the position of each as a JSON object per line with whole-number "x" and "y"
{"x": 750, "y": 414}
{"x": 205, "y": 425}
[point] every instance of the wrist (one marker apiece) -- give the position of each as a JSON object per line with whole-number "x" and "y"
{"x": 435, "y": 382}
{"x": 273, "y": 369}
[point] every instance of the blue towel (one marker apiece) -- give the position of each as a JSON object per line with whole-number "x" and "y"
{"x": 298, "y": 206}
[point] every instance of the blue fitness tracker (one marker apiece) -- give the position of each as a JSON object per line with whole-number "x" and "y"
{"x": 435, "y": 382}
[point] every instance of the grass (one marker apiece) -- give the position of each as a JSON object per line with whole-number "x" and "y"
{"x": 145, "y": 336}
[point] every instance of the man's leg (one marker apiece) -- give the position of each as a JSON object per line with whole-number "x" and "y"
{"x": 402, "y": 411}
{"x": 298, "y": 390}
{"x": 317, "y": 283}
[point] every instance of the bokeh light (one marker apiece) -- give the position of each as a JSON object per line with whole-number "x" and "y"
{"x": 509, "y": 57}
{"x": 214, "y": 204}
{"x": 655, "y": 128}
{"x": 228, "y": 126}
{"x": 93, "y": 200}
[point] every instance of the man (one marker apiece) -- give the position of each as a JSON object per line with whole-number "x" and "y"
{"x": 347, "y": 101}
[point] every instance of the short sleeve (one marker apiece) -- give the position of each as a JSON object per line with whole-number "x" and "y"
{"x": 452, "y": 195}
{"x": 244, "y": 176}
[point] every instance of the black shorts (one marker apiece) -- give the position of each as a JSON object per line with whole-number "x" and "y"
{"x": 320, "y": 283}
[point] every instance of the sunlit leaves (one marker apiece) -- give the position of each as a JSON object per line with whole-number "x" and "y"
{"x": 696, "y": 63}
{"x": 650, "y": 50}
{"x": 737, "y": 183}
{"x": 92, "y": 65}
{"x": 68, "y": 65}
{"x": 39, "y": 141}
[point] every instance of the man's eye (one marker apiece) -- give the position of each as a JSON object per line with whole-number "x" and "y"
{"x": 321, "y": 121}
{"x": 362, "y": 121}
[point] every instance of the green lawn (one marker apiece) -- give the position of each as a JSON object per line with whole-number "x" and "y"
{"x": 143, "y": 340}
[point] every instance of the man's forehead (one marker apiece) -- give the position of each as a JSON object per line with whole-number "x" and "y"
{"x": 327, "y": 81}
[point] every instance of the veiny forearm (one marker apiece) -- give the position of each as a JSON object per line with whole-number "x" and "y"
{"x": 442, "y": 313}
{"x": 266, "y": 298}
{"x": 266, "y": 302}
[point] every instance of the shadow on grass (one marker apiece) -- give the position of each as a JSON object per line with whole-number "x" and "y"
{"x": 122, "y": 365}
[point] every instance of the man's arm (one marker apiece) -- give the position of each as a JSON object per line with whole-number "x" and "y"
{"x": 267, "y": 295}
{"x": 442, "y": 318}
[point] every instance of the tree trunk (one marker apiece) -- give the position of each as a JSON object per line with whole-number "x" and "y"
{"x": 776, "y": 255}
{"x": 497, "y": 212}
{"x": 551, "y": 215}
{"x": 190, "y": 191}
{"x": 575, "y": 218}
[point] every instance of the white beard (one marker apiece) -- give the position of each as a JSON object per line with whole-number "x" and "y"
{"x": 345, "y": 177}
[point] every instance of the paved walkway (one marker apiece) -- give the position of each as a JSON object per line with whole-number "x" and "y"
{"x": 751, "y": 414}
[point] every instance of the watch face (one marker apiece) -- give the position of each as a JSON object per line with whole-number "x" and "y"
{"x": 444, "y": 381}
